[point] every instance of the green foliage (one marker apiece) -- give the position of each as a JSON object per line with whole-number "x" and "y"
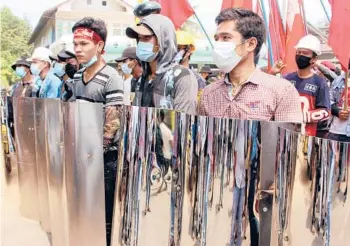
{"x": 15, "y": 33}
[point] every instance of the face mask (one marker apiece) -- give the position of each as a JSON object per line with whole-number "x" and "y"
{"x": 34, "y": 68}
{"x": 58, "y": 69}
{"x": 126, "y": 69}
{"x": 144, "y": 52}
{"x": 225, "y": 56}
{"x": 91, "y": 62}
{"x": 20, "y": 72}
{"x": 70, "y": 70}
{"x": 302, "y": 61}
{"x": 179, "y": 56}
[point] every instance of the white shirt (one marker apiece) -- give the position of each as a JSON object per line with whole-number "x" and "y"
{"x": 127, "y": 91}
{"x": 167, "y": 136}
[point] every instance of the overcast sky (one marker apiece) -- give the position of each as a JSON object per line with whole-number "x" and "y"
{"x": 207, "y": 9}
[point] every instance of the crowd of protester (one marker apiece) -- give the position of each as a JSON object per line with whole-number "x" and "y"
{"x": 157, "y": 73}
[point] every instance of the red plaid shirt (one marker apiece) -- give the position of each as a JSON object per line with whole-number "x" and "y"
{"x": 262, "y": 97}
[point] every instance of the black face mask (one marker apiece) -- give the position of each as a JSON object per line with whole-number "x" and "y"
{"x": 70, "y": 70}
{"x": 302, "y": 61}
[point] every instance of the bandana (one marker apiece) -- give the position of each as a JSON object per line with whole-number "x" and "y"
{"x": 88, "y": 34}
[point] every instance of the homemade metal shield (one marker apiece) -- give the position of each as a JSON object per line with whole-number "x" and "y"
{"x": 311, "y": 182}
{"x": 187, "y": 180}
{"x": 56, "y": 172}
{"x": 26, "y": 157}
{"x": 84, "y": 177}
{"x": 41, "y": 157}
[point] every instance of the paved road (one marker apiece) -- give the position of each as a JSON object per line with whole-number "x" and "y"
{"x": 15, "y": 229}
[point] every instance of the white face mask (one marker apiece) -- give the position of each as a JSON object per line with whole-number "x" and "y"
{"x": 225, "y": 56}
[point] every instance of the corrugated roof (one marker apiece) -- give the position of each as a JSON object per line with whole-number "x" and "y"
{"x": 43, "y": 20}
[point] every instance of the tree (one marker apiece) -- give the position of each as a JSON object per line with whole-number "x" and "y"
{"x": 15, "y": 33}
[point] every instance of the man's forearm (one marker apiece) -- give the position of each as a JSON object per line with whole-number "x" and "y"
{"x": 112, "y": 122}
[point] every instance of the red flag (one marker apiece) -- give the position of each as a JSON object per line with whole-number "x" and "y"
{"x": 277, "y": 33}
{"x": 339, "y": 35}
{"x": 295, "y": 31}
{"x": 178, "y": 11}
{"x": 246, "y": 4}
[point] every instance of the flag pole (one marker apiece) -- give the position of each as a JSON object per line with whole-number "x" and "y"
{"x": 304, "y": 16}
{"x": 325, "y": 10}
{"x": 269, "y": 41}
{"x": 346, "y": 89}
{"x": 205, "y": 32}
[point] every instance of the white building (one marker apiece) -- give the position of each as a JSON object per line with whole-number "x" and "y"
{"x": 59, "y": 20}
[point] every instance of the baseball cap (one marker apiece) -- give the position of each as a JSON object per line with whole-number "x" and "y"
{"x": 128, "y": 53}
{"x": 139, "y": 29}
{"x": 23, "y": 61}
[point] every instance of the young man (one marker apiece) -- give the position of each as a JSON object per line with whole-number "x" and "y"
{"x": 185, "y": 48}
{"x": 40, "y": 67}
{"x": 131, "y": 65}
{"x": 65, "y": 68}
{"x": 205, "y": 72}
{"x": 340, "y": 126}
{"x": 100, "y": 83}
{"x": 246, "y": 92}
{"x": 313, "y": 89}
{"x": 28, "y": 85}
{"x": 164, "y": 84}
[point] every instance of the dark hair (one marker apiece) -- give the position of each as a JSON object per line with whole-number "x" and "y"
{"x": 161, "y": 115}
{"x": 96, "y": 25}
{"x": 248, "y": 24}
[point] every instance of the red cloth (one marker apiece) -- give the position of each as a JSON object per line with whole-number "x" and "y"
{"x": 277, "y": 33}
{"x": 246, "y": 4}
{"x": 295, "y": 31}
{"x": 339, "y": 34}
{"x": 329, "y": 65}
{"x": 178, "y": 11}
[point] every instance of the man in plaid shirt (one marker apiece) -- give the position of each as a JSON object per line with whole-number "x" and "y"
{"x": 246, "y": 92}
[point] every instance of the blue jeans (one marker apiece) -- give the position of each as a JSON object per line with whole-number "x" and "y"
{"x": 237, "y": 215}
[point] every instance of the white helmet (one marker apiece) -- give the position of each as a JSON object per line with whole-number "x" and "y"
{"x": 60, "y": 44}
{"x": 310, "y": 42}
{"x": 42, "y": 54}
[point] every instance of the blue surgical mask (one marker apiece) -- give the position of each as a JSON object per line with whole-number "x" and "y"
{"x": 20, "y": 72}
{"x": 144, "y": 52}
{"x": 58, "y": 69}
{"x": 34, "y": 68}
{"x": 179, "y": 56}
{"x": 126, "y": 69}
{"x": 91, "y": 62}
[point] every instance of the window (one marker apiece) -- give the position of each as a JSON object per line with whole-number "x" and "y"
{"x": 119, "y": 29}
{"x": 88, "y": 2}
{"x": 104, "y": 3}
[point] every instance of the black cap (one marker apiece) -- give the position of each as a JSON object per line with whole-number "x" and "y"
{"x": 64, "y": 54}
{"x": 23, "y": 61}
{"x": 205, "y": 69}
{"x": 128, "y": 53}
{"x": 147, "y": 8}
{"x": 53, "y": 58}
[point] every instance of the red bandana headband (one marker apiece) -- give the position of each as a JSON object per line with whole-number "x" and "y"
{"x": 88, "y": 34}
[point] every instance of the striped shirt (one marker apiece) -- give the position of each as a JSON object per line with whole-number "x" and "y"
{"x": 105, "y": 87}
{"x": 261, "y": 97}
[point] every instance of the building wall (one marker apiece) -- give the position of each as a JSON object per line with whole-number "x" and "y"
{"x": 47, "y": 35}
{"x": 116, "y": 21}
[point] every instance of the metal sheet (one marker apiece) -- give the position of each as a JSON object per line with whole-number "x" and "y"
{"x": 83, "y": 127}
{"x": 311, "y": 180}
{"x": 56, "y": 172}
{"x": 40, "y": 147}
{"x": 207, "y": 196}
{"x": 26, "y": 157}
